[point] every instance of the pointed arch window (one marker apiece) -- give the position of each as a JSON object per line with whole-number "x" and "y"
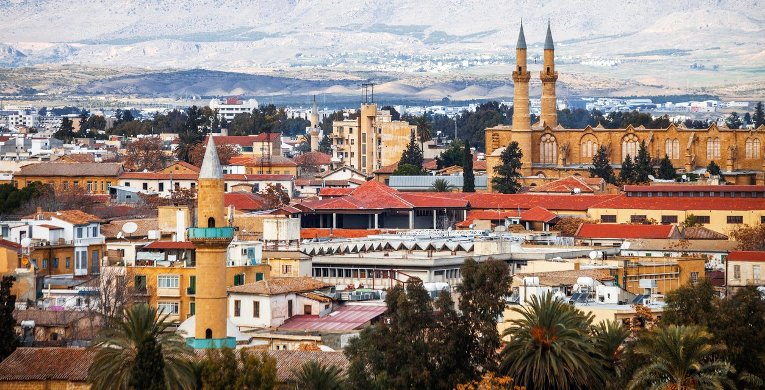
{"x": 713, "y": 148}
{"x": 548, "y": 150}
{"x": 752, "y": 148}
{"x": 629, "y": 146}
{"x": 589, "y": 147}
{"x": 672, "y": 148}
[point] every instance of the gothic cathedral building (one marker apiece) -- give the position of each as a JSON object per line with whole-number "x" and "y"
{"x": 551, "y": 151}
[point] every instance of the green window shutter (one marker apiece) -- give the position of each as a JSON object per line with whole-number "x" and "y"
{"x": 258, "y": 276}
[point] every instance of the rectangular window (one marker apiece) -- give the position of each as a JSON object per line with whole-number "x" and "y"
{"x": 762, "y": 219}
{"x": 702, "y": 219}
{"x": 140, "y": 282}
{"x": 238, "y": 279}
{"x": 637, "y": 218}
{"x": 256, "y": 309}
{"x": 161, "y": 187}
{"x": 68, "y": 262}
{"x": 170, "y": 308}
{"x": 45, "y": 263}
{"x": 735, "y": 219}
{"x": 756, "y": 273}
{"x": 667, "y": 219}
{"x": 736, "y": 272}
{"x": 237, "y": 308}
{"x": 694, "y": 277}
{"x": 192, "y": 308}
{"x": 89, "y": 186}
{"x": 258, "y": 276}
{"x": 168, "y": 281}
{"x": 79, "y": 232}
{"x": 145, "y": 186}
{"x": 286, "y": 269}
{"x": 608, "y": 218}
{"x": 55, "y": 262}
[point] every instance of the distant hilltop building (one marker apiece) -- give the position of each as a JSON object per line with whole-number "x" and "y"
{"x": 231, "y": 106}
{"x": 549, "y": 148}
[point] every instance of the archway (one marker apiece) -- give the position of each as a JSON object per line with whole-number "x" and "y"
{"x": 211, "y": 222}
{"x": 208, "y": 333}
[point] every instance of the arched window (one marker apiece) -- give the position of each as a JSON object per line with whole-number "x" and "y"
{"x": 672, "y": 148}
{"x": 208, "y": 333}
{"x": 589, "y": 147}
{"x": 211, "y": 222}
{"x": 548, "y": 150}
{"x": 713, "y": 148}
{"x": 752, "y": 148}
{"x": 629, "y": 146}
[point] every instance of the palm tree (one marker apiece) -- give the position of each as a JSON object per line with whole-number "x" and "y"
{"x": 187, "y": 140}
{"x": 441, "y": 185}
{"x": 550, "y": 347}
{"x": 316, "y": 376}
{"x": 424, "y": 130}
{"x": 681, "y": 358}
{"x": 138, "y": 351}
{"x": 609, "y": 338}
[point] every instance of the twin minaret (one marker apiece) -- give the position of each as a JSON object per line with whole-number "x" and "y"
{"x": 521, "y": 77}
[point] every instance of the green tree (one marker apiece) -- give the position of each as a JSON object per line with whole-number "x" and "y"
{"x": 140, "y": 352}
{"x": 325, "y": 145}
{"x": 733, "y": 121}
{"x": 12, "y": 198}
{"x": 681, "y": 357}
{"x": 550, "y": 347}
{"x": 508, "y": 173}
{"x": 468, "y": 175}
{"x": 609, "y": 340}
{"x": 758, "y": 118}
{"x": 8, "y": 339}
{"x": 691, "y": 221}
{"x": 187, "y": 141}
{"x": 740, "y": 325}
{"x": 713, "y": 169}
{"x": 453, "y": 155}
{"x": 407, "y": 170}
{"x": 691, "y": 304}
{"x": 627, "y": 174}
{"x": 441, "y": 185}
{"x": 643, "y": 165}
{"x": 601, "y": 166}
{"x": 225, "y": 369}
{"x": 317, "y": 376}
{"x": 412, "y": 155}
{"x": 65, "y": 130}
{"x": 666, "y": 170}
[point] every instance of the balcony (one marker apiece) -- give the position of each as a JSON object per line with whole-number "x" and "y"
{"x": 89, "y": 241}
{"x": 220, "y": 233}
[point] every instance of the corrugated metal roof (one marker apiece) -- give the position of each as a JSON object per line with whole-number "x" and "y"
{"x": 348, "y": 317}
{"x": 426, "y": 182}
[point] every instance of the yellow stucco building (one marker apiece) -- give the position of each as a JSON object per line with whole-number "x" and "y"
{"x": 551, "y": 150}
{"x": 94, "y": 178}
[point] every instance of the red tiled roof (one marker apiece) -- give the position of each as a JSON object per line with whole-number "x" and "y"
{"x": 245, "y": 201}
{"x": 313, "y": 158}
{"x": 746, "y": 256}
{"x": 680, "y": 203}
{"x": 242, "y": 140}
{"x": 75, "y": 217}
{"x": 44, "y": 364}
{"x": 334, "y": 192}
{"x": 487, "y": 215}
{"x": 479, "y": 165}
{"x": 170, "y": 245}
{"x": 257, "y": 177}
{"x": 195, "y": 176}
{"x": 596, "y": 230}
{"x": 9, "y": 244}
{"x": 692, "y": 188}
{"x": 527, "y": 201}
{"x": 51, "y": 227}
{"x": 564, "y": 185}
{"x": 428, "y": 164}
{"x": 387, "y": 169}
{"x": 308, "y": 233}
{"x": 271, "y": 137}
{"x": 275, "y": 161}
{"x": 538, "y": 214}
{"x": 280, "y": 285}
{"x": 702, "y": 233}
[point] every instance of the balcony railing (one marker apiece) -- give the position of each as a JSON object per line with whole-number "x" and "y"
{"x": 211, "y": 233}
{"x": 191, "y": 290}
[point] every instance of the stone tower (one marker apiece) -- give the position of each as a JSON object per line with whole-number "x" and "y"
{"x": 521, "y": 132}
{"x": 549, "y": 76}
{"x": 314, "y": 130}
{"x": 211, "y": 238}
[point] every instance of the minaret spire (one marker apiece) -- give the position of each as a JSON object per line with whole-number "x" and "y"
{"x": 548, "y": 76}
{"x": 521, "y": 132}
{"x": 211, "y": 163}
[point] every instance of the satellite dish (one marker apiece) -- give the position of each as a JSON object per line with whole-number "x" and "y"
{"x": 651, "y": 178}
{"x": 593, "y": 255}
{"x": 129, "y": 227}
{"x": 685, "y": 177}
{"x": 119, "y": 235}
{"x": 26, "y": 242}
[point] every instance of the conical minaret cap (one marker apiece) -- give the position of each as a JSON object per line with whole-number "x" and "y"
{"x": 521, "y": 39}
{"x": 211, "y": 163}
{"x": 549, "y": 41}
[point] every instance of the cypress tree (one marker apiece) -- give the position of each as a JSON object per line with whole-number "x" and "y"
{"x": 759, "y": 116}
{"x": 8, "y": 339}
{"x": 412, "y": 155}
{"x": 643, "y": 166}
{"x": 713, "y": 169}
{"x": 627, "y": 174}
{"x": 666, "y": 170}
{"x": 506, "y": 175}
{"x": 468, "y": 175}
{"x": 601, "y": 166}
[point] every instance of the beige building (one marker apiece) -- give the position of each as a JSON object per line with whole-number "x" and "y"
{"x": 371, "y": 141}
{"x": 744, "y": 268}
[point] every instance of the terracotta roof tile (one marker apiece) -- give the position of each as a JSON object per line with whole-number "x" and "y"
{"x": 681, "y": 203}
{"x": 39, "y": 364}
{"x": 9, "y": 244}
{"x": 334, "y": 192}
{"x": 309, "y": 233}
{"x": 692, "y": 187}
{"x": 288, "y": 362}
{"x": 564, "y": 185}
{"x": 527, "y": 201}
{"x": 746, "y": 256}
{"x": 245, "y": 201}
{"x": 70, "y": 169}
{"x": 313, "y": 158}
{"x": 75, "y": 217}
{"x": 111, "y": 229}
{"x": 702, "y": 233}
{"x": 280, "y": 285}
{"x": 49, "y": 317}
{"x": 608, "y": 230}
{"x": 538, "y": 214}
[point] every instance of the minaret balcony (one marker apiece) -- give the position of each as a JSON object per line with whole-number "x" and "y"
{"x": 217, "y": 233}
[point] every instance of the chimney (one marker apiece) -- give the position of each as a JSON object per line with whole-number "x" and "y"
{"x": 577, "y": 265}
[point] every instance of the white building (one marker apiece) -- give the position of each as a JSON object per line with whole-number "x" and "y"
{"x": 269, "y": 303}
{"x": 230, "y": 107}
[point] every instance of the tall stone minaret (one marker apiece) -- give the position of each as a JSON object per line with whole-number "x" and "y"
{"x": 549, "y": 76}
{"x": 521, "y": 132}
{"x": 211, "y": 238}
{"x": 314, "y": 131}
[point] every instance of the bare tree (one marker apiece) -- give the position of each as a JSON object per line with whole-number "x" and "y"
{"x": 276, "y": 195}
{"x": 225, "y": 153}
{"x": 115, "y": 294}
{"x": 145, "y": 154}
